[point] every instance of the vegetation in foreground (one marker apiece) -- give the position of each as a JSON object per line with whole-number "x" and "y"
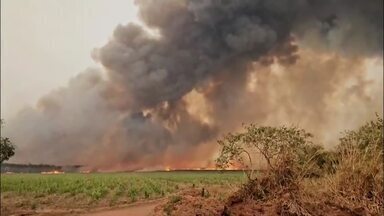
{"x": 32, "y": 192}
{"x": 301, "y": 179}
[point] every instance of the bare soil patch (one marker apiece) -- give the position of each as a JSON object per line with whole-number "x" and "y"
{"x": 57, "y": 205}
{"x": 138, "y": 209}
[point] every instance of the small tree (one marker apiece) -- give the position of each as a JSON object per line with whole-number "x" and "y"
{"x": 277, "y": 145}
{"x": 7, "y": 149}
{"x": 288, "y": 152}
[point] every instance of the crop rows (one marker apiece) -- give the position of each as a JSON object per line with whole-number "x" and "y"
{"x": 114, "y": 185}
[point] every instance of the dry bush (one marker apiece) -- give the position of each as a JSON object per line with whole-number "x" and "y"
{"x": 289, "y": 154}
{"x": 321, "y": 162}
{"x": 358, "y": 180}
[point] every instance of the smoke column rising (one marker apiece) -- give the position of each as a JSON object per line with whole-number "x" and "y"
{"x": 212, "y": 65}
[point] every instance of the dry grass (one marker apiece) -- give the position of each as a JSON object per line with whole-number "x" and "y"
{"x": 358, "y": 181}
{"x": 357, "y": 184}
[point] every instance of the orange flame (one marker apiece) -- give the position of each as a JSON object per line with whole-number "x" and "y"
{"x": 52, "y": 172}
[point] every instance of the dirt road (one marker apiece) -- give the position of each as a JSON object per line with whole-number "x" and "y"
{"x": 143, "y": 209}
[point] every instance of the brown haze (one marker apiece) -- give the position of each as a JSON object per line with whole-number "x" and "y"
{"x": 162, "y": 99}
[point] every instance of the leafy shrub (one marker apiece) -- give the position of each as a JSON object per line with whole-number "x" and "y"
{"x": 287, "y": 151}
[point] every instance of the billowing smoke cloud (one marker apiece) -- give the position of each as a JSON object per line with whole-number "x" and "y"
{"x": 201, "y": 68}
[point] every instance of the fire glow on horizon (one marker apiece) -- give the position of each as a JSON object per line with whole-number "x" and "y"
{"x": 161, "y": 102}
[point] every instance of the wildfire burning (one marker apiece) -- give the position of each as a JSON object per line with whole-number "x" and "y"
{"x": 54, "y": 172}
{"x": 85, "y": 171}
{"x": 213, "y": 66}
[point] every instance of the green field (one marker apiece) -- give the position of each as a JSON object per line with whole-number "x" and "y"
{"x": 31, "y": 191}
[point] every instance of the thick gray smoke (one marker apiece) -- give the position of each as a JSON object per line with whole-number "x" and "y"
{"x": 169, "y": 94}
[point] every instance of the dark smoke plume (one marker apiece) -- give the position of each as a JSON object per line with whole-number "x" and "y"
{"x": 200, "y": 68}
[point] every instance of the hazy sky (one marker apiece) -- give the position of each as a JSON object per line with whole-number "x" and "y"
{"x": 46, "y": 42}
